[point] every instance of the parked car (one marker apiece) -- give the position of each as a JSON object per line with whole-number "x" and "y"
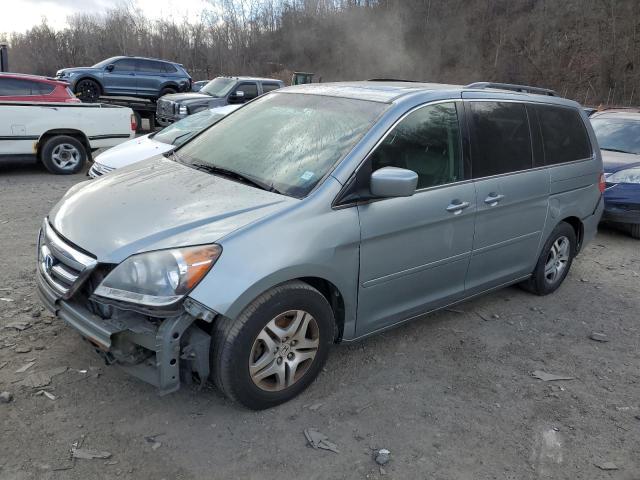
{"x": 218, "y": 92}
{"x": 618, "y": 133}
{"x": 319, "y": 214}
{"x": 129, "y": 76}
{"x": 62, "y": 136}
{"x": 197, "y": 86}
{"x": 18, "y": 87}
{"x": 163, "y": 141}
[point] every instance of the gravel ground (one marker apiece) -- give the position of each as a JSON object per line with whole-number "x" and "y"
{"x": 451, "y": 395}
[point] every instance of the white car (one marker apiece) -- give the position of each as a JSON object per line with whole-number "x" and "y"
{"x": 165, "y": 140}
{"x": 62, "y": 135}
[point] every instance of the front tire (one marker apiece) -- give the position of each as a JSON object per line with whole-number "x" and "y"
{"x": 554, "y": 262}
{"x": 63, "y": 155}
{"x": 87, "y": 90}
{"x": 275, "y": 348}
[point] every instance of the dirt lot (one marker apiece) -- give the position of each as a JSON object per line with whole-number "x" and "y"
{"x": 451, "y": 395}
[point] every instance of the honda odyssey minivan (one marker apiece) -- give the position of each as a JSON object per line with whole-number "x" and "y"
{"x": 319, "y": 214}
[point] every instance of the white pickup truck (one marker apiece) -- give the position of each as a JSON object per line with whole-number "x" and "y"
{"x": 62, "y": 136}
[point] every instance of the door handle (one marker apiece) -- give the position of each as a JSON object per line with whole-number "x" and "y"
{"x": 456, "y": 207}
{"x": 493, "y": 199}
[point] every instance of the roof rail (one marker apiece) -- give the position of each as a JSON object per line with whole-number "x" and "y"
{"x": 515, "y": 88}
{"x": 392, "y": 80}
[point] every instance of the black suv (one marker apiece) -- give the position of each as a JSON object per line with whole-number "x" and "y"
{"x": 130, "y": 76}
{"x": 218, "y": 92}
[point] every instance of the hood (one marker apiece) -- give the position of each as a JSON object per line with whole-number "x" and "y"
{"x": 193, "y": 98}
{"x": 157, "y": 204}
{"x": 615, "y": 161}
{"x": 76, "y": 69}
{"x": 132, "y": 151}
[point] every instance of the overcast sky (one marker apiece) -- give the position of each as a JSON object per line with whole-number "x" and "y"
{"x": 20, "y": 15}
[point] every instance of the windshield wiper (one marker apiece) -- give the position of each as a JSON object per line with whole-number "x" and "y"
{"x": 206, "y": 167}
{"x": 617, "y": 150}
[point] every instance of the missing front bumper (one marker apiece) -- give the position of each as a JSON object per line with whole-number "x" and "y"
{"x": 158, "y": 351}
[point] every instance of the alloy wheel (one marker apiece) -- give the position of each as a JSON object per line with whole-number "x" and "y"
{"x": 66, "y": 156}
{"x": 557, "y": 260}
{"x": 284, "y": 350}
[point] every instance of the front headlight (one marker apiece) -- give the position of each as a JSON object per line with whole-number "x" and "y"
{"x": 160, "y": 278}
{"x": 630, "y": 175}
{"x": 183, "y": 110}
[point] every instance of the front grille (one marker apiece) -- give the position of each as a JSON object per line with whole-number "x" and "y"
{"x": 63, "y": 267}
{"x": 97, "y": 170}
{"x": 165, "y": 107}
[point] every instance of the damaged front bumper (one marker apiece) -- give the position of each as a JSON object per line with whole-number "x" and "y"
{"x": 160, "y": 351}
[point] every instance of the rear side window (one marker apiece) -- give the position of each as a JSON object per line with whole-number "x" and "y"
{"x": 43, "y": 88}
{"x": 168, "y": 68}
{"x": 250, "y": 90}
{"x": 15, "y": 87}
{"x": 564, "y": 137}
{"x": 269, "y": 87}
{"x": 149, "y": 66}
{"x": 500, "y": 138}
{"x": 427, "y": 141}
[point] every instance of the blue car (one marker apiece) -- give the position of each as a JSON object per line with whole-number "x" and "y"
{"x": 618, "y": 133}
{"x": 127, "y": 76}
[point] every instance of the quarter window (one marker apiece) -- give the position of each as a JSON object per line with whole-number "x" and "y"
{"x": 564, "y": 137}
{"x": 427, "y": 141}
{"x": 168, "y": 68}
{"x": 501, "y": 142}
{"x": 250, "y": 90}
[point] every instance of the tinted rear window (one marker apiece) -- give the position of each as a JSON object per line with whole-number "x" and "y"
{"x": 149, "y": 66}
{"x": 501, "y": 142}
{"x": 269, "y": 87}
{"x": 14, "y": 87}
{"x": 564, "y": 137}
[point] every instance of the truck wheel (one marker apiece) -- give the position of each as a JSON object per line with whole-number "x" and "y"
{"x": 635, "y": 230}
{"x": 167, "y": 91}
{"x": 87, "y": 90}
{"x": 554, "y": 261}
{"x": 275, "y": 348}
{"x": 63, "y": 155}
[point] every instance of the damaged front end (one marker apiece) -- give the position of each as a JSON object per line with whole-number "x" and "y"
{"x": 162, "y": 347}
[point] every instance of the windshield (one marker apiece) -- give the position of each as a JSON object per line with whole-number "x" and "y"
{"x": 179, "y": 132}
{"x": 286, "y": 141}
{"x": 218, "y": 87}
{"x": 620, "y": 135}
{"x": 104, "y": 63}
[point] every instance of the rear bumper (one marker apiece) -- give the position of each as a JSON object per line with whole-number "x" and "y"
{"x": 155, "y": 350}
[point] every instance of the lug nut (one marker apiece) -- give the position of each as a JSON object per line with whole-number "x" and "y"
{"x": 290, "y": 356}
{"x": 279, "y": 360}
{"x": 294, "y": 343}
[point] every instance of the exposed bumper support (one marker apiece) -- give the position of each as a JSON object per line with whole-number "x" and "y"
{"x": 157, "y": 351}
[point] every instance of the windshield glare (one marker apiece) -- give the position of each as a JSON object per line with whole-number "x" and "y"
{"x": 179, "y": 132}
{"x": 617, "y": 134}
{"x": 218, "y": 87}
{"x": 286, "y": 141}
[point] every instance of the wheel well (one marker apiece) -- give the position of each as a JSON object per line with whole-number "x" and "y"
{"x": 88, "y": 78}
{"x": 578, "y": 228}
{"x": 172, "y": 86}
{"x": 334, "y": 297}
{"x": 77, "y": 134}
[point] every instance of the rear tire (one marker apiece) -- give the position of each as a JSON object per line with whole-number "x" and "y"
{"x": 167, "y": 91}
{"x": 634, "y": 230}
{"x": 87, "y": 90}
{"x": 63, "y": 155}
{"x": 275, "y": 348}
{"x": 554, "y": 262}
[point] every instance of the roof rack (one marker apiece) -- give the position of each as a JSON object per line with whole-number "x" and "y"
{"x": 515, "y": 88}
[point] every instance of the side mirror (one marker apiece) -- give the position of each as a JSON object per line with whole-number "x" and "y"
{"x": 109, "y": 68}
{"x": 236, "y": 97}
{"x": 390, "y": 182}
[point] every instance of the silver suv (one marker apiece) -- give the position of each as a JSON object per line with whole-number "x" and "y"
{"x": 319, "y": 214}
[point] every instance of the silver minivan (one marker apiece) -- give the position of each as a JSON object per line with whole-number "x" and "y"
{"x": 319, "y": 214}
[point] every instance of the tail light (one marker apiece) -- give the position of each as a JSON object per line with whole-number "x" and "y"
{"x": 602, "y": 184}
{"x": 134, "y": 123}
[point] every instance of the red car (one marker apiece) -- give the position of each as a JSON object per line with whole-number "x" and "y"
{"x": 16, "y": 87}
